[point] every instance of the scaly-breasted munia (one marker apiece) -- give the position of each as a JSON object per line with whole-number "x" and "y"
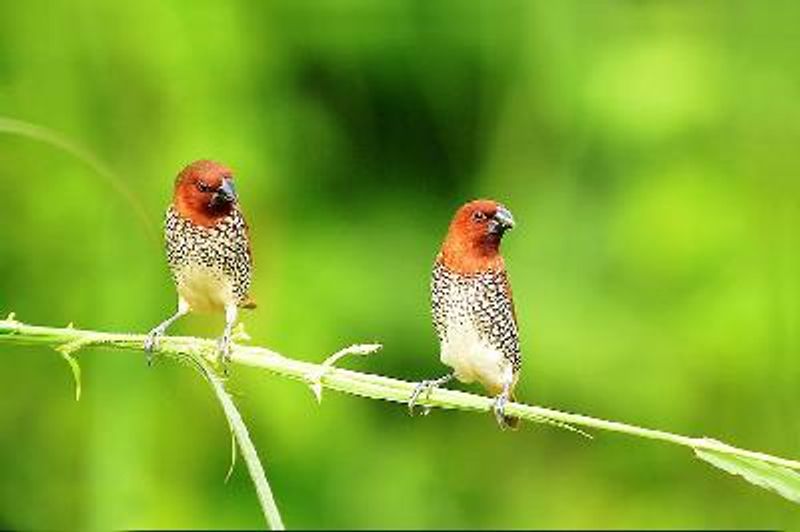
{"x": 208, "y": 249}
{"x": 472, "y": 306}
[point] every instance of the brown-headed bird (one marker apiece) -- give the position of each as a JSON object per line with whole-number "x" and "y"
{"x": 472, "y": 306}
{"x": 208, "y": 249}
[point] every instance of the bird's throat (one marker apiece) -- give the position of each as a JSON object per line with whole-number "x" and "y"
{"x": 471, "y": 257}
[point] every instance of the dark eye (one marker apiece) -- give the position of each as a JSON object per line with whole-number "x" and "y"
{"x": 478, "y": 216}
{"x": 202, "y": 187}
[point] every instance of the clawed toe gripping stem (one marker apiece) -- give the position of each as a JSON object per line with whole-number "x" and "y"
{"x": 426, "y": 387}
{"x": 153, "y": 337}
{"x": 499, "y": 408}
{"x": 224, "y": 350}
{"x": 151, "y": 343}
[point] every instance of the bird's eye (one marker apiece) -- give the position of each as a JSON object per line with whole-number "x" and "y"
{"x": 478, "y": 216}
{"x": 202, "y": 187}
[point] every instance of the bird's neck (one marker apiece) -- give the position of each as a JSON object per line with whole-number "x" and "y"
{"x": 468, "y": 257}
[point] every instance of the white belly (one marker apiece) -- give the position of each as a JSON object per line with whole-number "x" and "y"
{"x": 204, "y": 289}
{"x": 472, "y": 358}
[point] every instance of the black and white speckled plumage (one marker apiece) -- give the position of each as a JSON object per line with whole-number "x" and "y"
{"x": 220, "y": 253}
{"x": 475, "y": 320}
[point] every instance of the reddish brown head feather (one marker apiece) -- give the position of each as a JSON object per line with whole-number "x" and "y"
{"x": 195, "y": 188}
{"x": 472, "y": 244}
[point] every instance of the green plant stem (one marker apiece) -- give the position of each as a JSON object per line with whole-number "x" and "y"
{"x": 61, "y": 142}
{"x": 249, "y": 453}
{"x": 353, "y": 382}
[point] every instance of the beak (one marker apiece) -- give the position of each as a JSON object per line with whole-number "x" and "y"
{"x": 502, "y": 220}
{"x": 226, "y": 193}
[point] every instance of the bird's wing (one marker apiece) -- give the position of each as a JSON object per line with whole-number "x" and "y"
{"x": 510, "y": 341}
{"x": 248, "y": 302}
{"x": 509, "y": 294}
{"x": 439, "y": 288}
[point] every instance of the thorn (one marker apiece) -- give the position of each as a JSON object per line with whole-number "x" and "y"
{"x": 233, "y": 458}
{"x": 315, "y": 378}
{"x": 11, "y": 317}
{"x": 316, "y": 387}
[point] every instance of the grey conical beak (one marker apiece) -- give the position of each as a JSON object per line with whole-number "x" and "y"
{"x": 504, "y": 218}
{"x": 227, "y": 192}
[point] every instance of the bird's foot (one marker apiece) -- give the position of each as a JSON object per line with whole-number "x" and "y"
{"x": 499, "y": 408}
{"x": 224, "y": 349}
{"x": 151, "y": 343}
{"x": 425, "y": 387}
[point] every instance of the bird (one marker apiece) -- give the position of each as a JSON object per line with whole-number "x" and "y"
{"x": 473, "y": 307}
{"x": 208, "y": 251}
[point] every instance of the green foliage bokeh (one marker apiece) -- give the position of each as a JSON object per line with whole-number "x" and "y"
{"x": 648, "y": 150}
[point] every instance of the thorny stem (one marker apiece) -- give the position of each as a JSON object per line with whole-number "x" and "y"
{"x": 249, "y": 453}
{"x": 355, "y": 383}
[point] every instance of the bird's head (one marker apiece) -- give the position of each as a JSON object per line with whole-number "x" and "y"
{"x": 204, "y": 192}
{"x": 473, "y": 241}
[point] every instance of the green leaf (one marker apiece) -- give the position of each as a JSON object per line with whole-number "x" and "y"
{"x": 781, "y": 480}
{"x": 233, "y": 458}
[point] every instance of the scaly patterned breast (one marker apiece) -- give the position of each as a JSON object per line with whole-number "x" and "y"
{"x": 211, "y": 266}
{"x": 474, "y": 319}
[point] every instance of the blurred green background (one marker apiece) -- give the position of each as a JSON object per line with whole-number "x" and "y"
{"x": 649, "y": 151}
